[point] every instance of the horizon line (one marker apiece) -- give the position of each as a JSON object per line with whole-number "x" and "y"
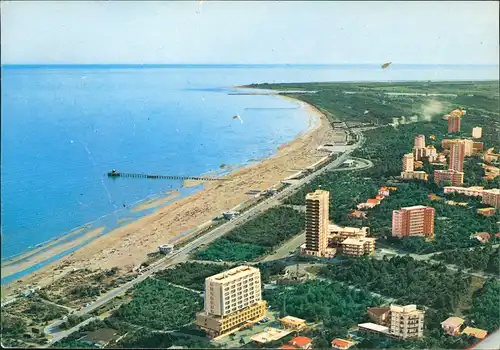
{"x": 9, "y": 65}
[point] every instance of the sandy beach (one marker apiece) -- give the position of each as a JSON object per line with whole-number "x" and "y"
{"x": 38, "y": 258}
{"x": 155, "y": 202}
{"x": 127, "y": 246}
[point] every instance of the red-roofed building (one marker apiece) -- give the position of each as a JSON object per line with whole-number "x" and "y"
{"x": 373, "y": 201}
{"x": 384, "y": 191}
{"x": 302, "y": 342}
{"x": 341, "y": 344}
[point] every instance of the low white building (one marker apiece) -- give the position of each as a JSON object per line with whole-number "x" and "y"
{"x": 166, "y": 248}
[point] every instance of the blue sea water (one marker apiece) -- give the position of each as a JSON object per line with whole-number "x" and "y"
{"x": 64, "y": 127}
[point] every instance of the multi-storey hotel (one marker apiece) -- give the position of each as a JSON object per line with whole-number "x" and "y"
{"x": 454, "y": 123}
{"x": 491, "y": 197}
{"x": 473, "y": 191}
{"x": 413, "y": 221}
{"x": 457, "y": 154}
{"x": 406, "y": 321}
{"x": 408, "y": 162}
{"x": 324, "y": 239}
{"x": 419, "y": 142}
{"x": 232, "y": 299}
{"x": 356, "y": 247}
{"x": 449, "y": 177}
{"x": 317, "y": 222}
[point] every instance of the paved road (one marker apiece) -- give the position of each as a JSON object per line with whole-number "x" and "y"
{"x": 62, "y": 334}
{"x": 286, "y": 248}
{"x": 58, "y": 305}
{"x": 182, "y": 254}
{"x": 491, "y": 342}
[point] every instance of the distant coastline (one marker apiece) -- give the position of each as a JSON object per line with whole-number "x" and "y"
{"x": 239, "y": 65}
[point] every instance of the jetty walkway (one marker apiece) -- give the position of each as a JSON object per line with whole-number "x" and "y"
{"x": 115, "y": 173}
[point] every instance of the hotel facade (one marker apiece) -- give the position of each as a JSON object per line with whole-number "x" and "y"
{"x": 317, "y": 222}
{"x": 406, "y": 321}
{"x": 413, "y": 221}
{"x": 232, "y": 299}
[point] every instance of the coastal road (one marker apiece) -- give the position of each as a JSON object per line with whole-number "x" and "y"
{"x": 183, "y": 253}
{"x": 491, "y": 342}
{"x": 63, "y": 334}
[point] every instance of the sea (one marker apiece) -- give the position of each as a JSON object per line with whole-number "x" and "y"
{"x": 64, "y": 127}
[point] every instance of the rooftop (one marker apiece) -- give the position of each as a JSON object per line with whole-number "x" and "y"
{"x": 301, "y": 341}
{"x": 476, "y": 332}
{"x": 233, "y": 273}
{"x": 378, "y": 311}
{"x": 374, "y": 327}
{"x": 453, "y": 321}
{"x": 352, "y": 241}
{"x": 334, "y": 227}
{"x": 316, "y": 194}
{"x": 411, "y": 308}
{"x": 342, "y": 343}
{"x": 292, "y": 319}
{"x": 271, "y": 334}
{"x": 414, "y": 207}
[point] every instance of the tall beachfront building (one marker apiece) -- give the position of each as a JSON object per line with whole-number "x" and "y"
{"x": 413, "y": 221}
{"x": 408, "y": 162}
{"x": 454, "y": 123}
{"x": 232, "y": 298}
{"x": 406, "y": 321}
{"x": 457, "y": 154}
{"x": 477, "y": 132}
{"x": 317, "y": 222}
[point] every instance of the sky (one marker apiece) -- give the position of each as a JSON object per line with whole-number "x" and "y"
{"x": 245, "y": 32}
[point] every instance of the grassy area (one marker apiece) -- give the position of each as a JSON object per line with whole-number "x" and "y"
{"x": 486, "y": 306}
{"x": 485, "y": 259}
{"x": 255, "y": 237}
{"x": 158, "y": 305}
{"x": 326, "y": 303}
{"x": 417, "y": 282}
{"x": 191, "y": 274}
{"x": 83, "y": 286}
{"x": 23, "y": 321}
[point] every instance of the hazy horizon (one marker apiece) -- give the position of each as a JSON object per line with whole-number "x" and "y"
{"x": 249, "y": 33}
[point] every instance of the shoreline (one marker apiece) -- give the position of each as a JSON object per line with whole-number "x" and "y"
{"x": 130, "y": 243}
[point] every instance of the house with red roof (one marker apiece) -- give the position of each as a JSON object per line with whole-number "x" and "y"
{"x": 301, "y": 342}
{"x": 341, "y": 344}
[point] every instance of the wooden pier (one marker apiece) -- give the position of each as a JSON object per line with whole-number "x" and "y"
{"x": 115, "y": 173}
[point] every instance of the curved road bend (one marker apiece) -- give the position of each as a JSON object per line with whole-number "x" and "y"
{"x": 182, "y": 254}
